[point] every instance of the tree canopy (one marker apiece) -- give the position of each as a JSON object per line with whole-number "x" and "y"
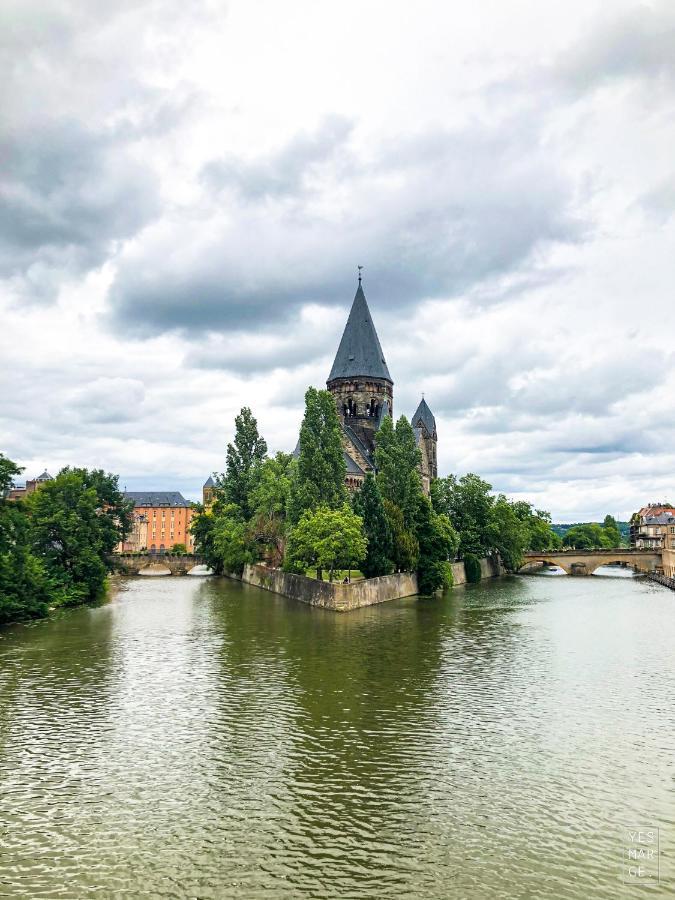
{"x": 369, "y": 506}
{"x": 327, "y": 539}
{"x": 321, "y": 470}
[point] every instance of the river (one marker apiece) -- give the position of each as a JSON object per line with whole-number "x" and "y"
{"x": 195, "y": 737}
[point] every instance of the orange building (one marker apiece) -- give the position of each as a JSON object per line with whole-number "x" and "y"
{"x": 160, "y": 520}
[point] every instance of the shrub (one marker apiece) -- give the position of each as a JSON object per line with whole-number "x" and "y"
{"x": 472, "y": 568}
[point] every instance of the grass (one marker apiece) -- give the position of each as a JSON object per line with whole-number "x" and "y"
{"x": 338, "y": 574}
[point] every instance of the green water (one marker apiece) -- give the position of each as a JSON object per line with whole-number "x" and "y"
{"x": 200, "y": 738}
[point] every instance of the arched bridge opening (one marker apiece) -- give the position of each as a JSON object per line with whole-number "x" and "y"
{"x": 586, "y": 562}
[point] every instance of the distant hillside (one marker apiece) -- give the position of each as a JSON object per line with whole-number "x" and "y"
{"x": 562, "y": 529}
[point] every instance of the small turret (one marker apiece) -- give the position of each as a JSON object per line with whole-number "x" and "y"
{"x": 208, "y": 491}
{"x": 424, "y": 424}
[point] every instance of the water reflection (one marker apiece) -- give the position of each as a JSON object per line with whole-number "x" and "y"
{"x": 198, "y": 737}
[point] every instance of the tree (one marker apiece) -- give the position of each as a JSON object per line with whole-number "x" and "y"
{"x": 320, "y": 474}
{"x": 508, "y": 533}
{"x": 397, "y": 460}
{"x": 467, "y": 502}
{"x": 77, "y": 519}
{"x": 269, "y": 499}
{"x": 612, "y": 531}
{"x": 369, "y": 506}
{"x": 202, "y": 529}
{"x": 179, "y": 548}
{"x": 26, "y": 590}
{"x": 472, "y": 568}
{"x": 231, "y": 539}
{"x": 327, "y": 539}
{"x": 589, "y": 536}
{"x": 405, "y": 546}
{"x": 438, "y": 543}
{"x": 244, "y": 457}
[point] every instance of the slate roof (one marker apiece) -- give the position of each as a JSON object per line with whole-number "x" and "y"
{"x": 663, "y": 519}
{"x": 358, "y": 443}
{"x": 360, "y": 353}
{"x": 426, "y": 416}
{"x": 353, "y": 468}
{"x": 157, "y": 498}
{"x": 44, "y": 477}
{"x": 209, "y": 482}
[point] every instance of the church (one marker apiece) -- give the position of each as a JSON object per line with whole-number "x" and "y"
{"x": 364, "y": 394}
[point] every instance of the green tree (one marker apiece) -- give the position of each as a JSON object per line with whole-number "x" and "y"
{"x": 26, "y": 590}
{"x": 472, "y": 568}
{"x": 179, "y": 548}
{"x": 77, "y": 520}
{"x": 467, "y": 502}
{"x": 612, "y": 532}
{"x": 244, "y": 458}
{"x": 405, "y": 546}
{"x": 438, "y": 542}
{"x": 507, "y": 533}
{"x": 369, "y": 506}
{"x": 269, "y": 499}
{"x": 232, "y": 541}
{"x": 397, "y": 460}
{"x": 590, "y": 536}
{"x": 327, "y": 539}
{"x": 320, "y": 474}
{"x": 202, "y": 529}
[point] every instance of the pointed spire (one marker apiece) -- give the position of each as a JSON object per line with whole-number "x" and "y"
{"x": 424, "y": 415}
{"x": 360, "y": 353}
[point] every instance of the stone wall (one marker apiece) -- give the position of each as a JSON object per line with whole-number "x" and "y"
{"x": 490, "y": 567}
{"x": 345, "y": 597}
{"x": 339, "y": 597}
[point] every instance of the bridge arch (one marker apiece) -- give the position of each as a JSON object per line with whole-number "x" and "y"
{"x": 586, "y": 562}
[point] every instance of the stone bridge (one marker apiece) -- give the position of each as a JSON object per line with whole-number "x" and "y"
{"x": 135, "y": 563}
{"x": 585, "y": 562}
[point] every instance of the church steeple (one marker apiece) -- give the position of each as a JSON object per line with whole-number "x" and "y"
{"x": 360, "y": 381}
{"x": 360, "y": 353}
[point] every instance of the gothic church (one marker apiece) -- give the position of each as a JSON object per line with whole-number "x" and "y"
{"x": 364, "y": 393}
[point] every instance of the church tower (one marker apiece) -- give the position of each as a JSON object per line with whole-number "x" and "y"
{"x": 360, "y": 381}
{"x": 424, "y": 424}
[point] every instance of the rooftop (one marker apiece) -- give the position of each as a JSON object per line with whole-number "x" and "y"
{"x": 157, "y": 498}
{"x": 360, "y": 353}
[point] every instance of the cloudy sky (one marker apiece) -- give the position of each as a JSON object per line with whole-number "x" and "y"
{"x": 186, "y": 190}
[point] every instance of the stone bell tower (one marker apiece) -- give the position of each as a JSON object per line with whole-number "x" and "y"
{"x": 359, "y": 380}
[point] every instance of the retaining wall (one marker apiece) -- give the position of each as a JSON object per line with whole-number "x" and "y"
{"x": 340, "y": 597}
{"x": 345, "y": 597}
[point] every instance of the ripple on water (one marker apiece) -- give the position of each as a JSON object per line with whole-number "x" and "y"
{"x": 200, "y": 738}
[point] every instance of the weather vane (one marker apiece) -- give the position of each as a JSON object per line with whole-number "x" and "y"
{"x": 359, "y": 268}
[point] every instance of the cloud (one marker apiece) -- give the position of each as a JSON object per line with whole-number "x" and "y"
{"x": 436, "y": 215}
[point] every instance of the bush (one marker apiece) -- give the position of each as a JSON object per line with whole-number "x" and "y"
{"x": 472, "y": 568}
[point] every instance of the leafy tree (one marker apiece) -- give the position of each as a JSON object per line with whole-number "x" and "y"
{"x": 77, "y": 519}
{"x": 405, "y": 546}
{"x": 397, "y": 460}
{"x": 369, "y": 506}
{"x": 327, "y": 539}
{"x": 467, "y": 502}
{"x": 590, "y": 536}
{"x": 244, "y": 457}
{"x": 269, "y": 499}
{"x": 320, "y": 475}
{"x": 202, "y": 529}
{"x": 232, "y": 542}
{"x": 508, "y": 533}
{"x": 26, "y": 590}
{"x": 179, "y": 548}
{"x": 438, "y": 543}
{"x": 612, "y": 531}
{"x": 472, "y": 568}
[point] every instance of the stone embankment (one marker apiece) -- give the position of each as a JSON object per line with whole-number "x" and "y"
{"x": 346, "y": 597}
